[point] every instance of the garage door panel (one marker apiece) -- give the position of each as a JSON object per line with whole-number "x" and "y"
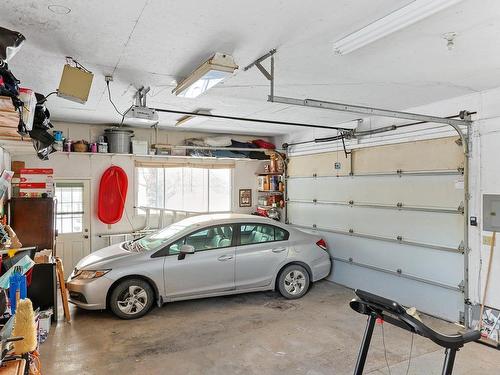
{"x": 436, "y": 228}
{"x": 392, "y": 232}
{"x": 431, "y": 191}
{"x": 441, "y": 267}
{"x": 433, "y": 154}
{"x": 444, "y": 303}
{"x": 320, "y": 164}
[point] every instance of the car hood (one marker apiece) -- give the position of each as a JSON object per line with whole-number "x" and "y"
{"x": 104, "y": 258}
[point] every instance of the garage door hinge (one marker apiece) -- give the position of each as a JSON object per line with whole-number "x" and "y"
{"x": 315, "y": 175}
{"x": 399, "y": 238}
{"x": 351, "y": 230}
{"x": 315, "y": 201}
{"x": 399, "y": 205}
{"x": 460, "y": 208}
{"x": 462, "y": 249}
{"x": 314, "y": 226}
{"x": 399, "y": 172}
{"x": 351, "y": 203}
{"x": 460, "y": 170}
{"x": 461, "y": 286}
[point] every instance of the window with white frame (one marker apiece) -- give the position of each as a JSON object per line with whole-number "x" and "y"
{"x": 69, "y": 214}
{"x": 185, "y": 188}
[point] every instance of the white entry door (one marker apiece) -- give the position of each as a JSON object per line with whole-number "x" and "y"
{"x": 72, "y": 221}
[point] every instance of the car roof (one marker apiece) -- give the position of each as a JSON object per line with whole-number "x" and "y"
{"x": 214, "y": 219}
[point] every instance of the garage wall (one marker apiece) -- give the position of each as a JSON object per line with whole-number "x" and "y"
{"x": 77, "y": 166}
{"x": 355, "y": 207}
{"x": 4, "y": 159}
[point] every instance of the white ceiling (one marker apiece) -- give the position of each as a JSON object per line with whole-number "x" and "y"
{"x": 154, "y": 42}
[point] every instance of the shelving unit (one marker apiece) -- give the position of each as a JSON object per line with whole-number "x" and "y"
{"x": 274, "y": 196}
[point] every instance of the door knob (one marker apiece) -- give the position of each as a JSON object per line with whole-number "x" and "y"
{"x": 86, "y": 236}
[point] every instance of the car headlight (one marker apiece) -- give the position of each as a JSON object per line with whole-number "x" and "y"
{"x": 87, "y": 274}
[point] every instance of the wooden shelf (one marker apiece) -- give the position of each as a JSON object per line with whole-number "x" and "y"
{"x": 270, "y": 174}
{"x": 9, "y": 120}
{"x": 271, "y": 191}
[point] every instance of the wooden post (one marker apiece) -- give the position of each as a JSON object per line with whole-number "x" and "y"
{"x": 488, "y": 272}
{"x": 62, "y": 286}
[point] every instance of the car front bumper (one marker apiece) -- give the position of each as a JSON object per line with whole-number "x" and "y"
{"x": 89, "y": 294}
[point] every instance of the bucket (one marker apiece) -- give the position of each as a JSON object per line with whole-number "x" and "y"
{"x": 118, "y": 140}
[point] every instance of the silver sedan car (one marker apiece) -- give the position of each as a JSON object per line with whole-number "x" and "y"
{"x": 201, "y": 256}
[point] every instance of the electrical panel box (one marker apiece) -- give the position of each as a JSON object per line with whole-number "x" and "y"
{"x": 491, "y": 212}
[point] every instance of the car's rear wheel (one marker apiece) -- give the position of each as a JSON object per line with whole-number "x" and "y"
{"x": 131, "y": 299}
{"x": 293, "y": 282}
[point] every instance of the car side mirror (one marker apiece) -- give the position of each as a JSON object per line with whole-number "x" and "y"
{"x": 185, "y": 249}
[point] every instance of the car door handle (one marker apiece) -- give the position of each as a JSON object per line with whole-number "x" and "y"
{"x": 279, "y": 249}
{"x": 223, "y": 258}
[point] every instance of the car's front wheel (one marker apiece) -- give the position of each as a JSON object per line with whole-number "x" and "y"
{"x": 293, "y": 282}
{"x": 131, "y": 299}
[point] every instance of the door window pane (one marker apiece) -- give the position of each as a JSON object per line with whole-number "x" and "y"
{"x": 256, "y": 233}
{"x": 69, "y": 217}
{"x": 211, "y": 238}
{"x": 280, "y": 234}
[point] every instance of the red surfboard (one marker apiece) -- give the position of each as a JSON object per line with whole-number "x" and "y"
{"x": 112, "y": 195}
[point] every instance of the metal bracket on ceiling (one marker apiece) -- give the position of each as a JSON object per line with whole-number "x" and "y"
{"x": 265, "y": 73}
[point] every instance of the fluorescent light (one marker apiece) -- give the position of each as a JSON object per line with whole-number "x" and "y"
{"x": 207, "y": 75}
{"x": 397, "y": 20}
{"x": 193, "y": 119}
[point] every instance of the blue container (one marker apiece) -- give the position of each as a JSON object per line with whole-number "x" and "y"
{"x": 16, "y": 282}
{"x": 58, "y": 134}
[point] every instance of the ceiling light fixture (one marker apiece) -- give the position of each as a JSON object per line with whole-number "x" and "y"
{"x": 10, "y": 43}
{"x": 193, "y": 119}
{"x": 397, "y": 20}
{"x": 59, "y": 9}
{"x": 207, "y": 75}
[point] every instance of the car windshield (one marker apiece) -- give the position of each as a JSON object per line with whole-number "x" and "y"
{"x": 157, "y": 239}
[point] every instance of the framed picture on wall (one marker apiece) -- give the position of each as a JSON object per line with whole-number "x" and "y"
{"x": 245, "y": 197}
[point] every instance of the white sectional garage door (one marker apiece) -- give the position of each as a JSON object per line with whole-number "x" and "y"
{"x": 392, "y": 217}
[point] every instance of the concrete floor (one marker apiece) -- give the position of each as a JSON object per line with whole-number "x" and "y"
{"x": 258, "y": 333}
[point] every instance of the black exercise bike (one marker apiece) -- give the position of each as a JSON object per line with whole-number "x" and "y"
{"x": 377, "y": 307}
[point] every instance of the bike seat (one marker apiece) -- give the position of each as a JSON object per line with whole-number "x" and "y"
{"x": 392, "y": 312}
